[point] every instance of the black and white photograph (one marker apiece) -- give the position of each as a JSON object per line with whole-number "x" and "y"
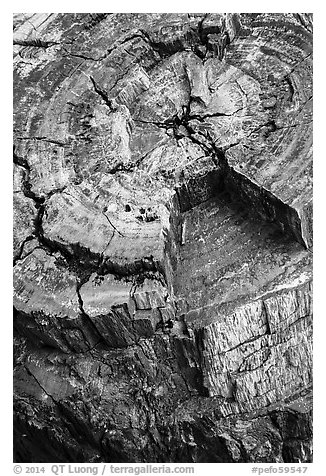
{"x": 162, "y": 241}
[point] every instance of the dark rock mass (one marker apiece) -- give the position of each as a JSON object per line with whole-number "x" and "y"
{"x": 163, "y": 237}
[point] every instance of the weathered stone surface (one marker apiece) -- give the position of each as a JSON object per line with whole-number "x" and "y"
{"x": 162, "y": 237}
{"x": 47, "y": 304}
{"x": 245, "y": 291}
{"x": 24, "y": 213}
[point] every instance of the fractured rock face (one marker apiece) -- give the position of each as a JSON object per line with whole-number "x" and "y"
{"x": 162, "y": 237}
{"x": 47, "y": 304}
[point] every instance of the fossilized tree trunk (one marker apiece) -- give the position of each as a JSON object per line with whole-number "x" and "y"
{"x": 162, "y": 237}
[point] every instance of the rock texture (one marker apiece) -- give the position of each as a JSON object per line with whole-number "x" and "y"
{"x": 163, "y": 237}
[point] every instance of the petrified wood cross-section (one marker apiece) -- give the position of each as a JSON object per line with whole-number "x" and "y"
{"x": 162, "y": 237}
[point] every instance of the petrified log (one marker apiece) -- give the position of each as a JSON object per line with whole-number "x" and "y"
{"x": 162, "y": 237}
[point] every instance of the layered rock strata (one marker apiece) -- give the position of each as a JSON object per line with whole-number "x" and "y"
{"x": 163, "y": 237}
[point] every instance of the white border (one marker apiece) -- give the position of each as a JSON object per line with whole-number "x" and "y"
{"x": 319, "y": 198}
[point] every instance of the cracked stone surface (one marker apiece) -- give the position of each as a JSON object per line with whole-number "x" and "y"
{"x": 163, "y": 237}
